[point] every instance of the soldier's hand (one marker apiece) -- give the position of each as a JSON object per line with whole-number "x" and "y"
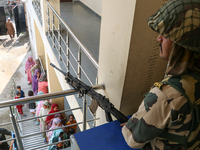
{"x": 122, "y": 124}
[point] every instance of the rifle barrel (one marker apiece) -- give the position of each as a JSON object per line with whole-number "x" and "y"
{"x": 58, "y": 69}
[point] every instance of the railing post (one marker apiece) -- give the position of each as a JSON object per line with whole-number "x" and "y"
{"x": 79, "y": 63}
{"x": 48, "y": 21}
{"x": 67, "y": 50}
{"x": 17, "y": 134}
{"x": 84, "y": 112}
{"x": 59, "y": 41}
{"x": 53, "y": 30}
{"x": 94, "y": 123}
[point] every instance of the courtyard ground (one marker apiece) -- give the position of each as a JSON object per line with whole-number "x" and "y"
{"x": 13, "y": 55}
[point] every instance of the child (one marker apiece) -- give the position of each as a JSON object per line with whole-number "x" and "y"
{"x": 35, "y": 79}
{"x": 32, "y": 105}
{"x": 20, "y": 91}
{"x": 71, "y": 121}
{"x": 19, "y": 107}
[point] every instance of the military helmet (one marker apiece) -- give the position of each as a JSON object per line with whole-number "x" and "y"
{"x": 179, "y": 20}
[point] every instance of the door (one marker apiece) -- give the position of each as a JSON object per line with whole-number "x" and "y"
{"x": 3, "y": 29}
{"x": 20, "y": 21}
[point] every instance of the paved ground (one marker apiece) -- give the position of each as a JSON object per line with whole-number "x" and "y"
{"x": 12, "y": 66}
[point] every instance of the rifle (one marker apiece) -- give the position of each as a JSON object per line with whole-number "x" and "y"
{"x": 102, "y": 101}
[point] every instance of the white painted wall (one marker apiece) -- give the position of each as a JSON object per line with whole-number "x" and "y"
{"x": 95, "y": 5}
{"x": 31, "y": 31}
{"x": 116, "y": 29}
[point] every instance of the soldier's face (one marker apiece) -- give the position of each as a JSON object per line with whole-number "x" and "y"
{"x": 165, "y": 47}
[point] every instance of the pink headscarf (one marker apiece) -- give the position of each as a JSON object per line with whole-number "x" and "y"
{"x": 57, "y": 121}
{"x": 40, "y": 104}
{"x": 29, "y": 64}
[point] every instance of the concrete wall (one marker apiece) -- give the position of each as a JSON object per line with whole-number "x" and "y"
{"x": 40, "y": 46}
{"x": 129, "y": 61}
{"x": 53, "y": 84}
{"x": 95, "y": 5}
{"x": 114, "y": 47}
{"x": 31, "y": 30}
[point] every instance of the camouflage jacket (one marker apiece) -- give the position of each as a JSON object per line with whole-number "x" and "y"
{"x": 165, "y": 109}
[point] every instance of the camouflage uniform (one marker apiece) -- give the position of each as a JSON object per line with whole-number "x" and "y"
{"x": 165, "y": 110}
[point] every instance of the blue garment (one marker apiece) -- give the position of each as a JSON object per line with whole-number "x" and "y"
{"x": 21, "y": 94}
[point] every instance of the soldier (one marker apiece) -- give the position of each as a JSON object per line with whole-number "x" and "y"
{"x": 166, "y": 119}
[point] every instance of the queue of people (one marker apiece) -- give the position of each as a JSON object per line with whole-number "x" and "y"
{"x": 44, "y": 107}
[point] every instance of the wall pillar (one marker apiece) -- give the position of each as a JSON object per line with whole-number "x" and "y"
{"x": 129, "y": 60}
{"x": 39, "y": 46}
{"x": 53, "y": 84}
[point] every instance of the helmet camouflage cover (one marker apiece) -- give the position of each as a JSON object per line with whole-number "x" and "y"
{"x": 179, "y": 20}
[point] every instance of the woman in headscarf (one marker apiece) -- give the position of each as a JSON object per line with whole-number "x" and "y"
{"x": 58, "y": 146}
{"x": 42, "y": 83}
{"x": 44, "y": 111}
{"x": 39, "y": 105}
{"x": 49, "y": 125}
{"x": 54, "y": 109}
{"x": 58, "y": 133}
{"x": 36, "y": 77}
{"x": 36, "y": 66}
{"x": 57, "y": 122}
{"x": 29, "y": 63}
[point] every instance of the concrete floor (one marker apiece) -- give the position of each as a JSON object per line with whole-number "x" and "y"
{"x": 12, "y": 64}
{"x": 84, "y": 23}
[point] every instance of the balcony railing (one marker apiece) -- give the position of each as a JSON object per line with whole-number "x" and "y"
{"x": 15, "y": 122}
{"x": 73, "y": 58}
{"x": 37, "y": 6}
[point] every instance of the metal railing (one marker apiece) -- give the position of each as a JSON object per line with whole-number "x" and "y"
{"x": 72, "y": 58}
{"x": 15, "y": 123}
{"x": 61, "y": 44}
{"x": 37, "y": 6}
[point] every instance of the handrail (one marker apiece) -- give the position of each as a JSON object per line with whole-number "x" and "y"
{"x": 8, "y": 140}
{"x": 85, "y": 50}
{"x": 30, "y": 99}
{"x": 7, "y": 123}
{"x": 50, "y": 114}
{"x": 50, "y": 144}
{"x": 23, "y": 136}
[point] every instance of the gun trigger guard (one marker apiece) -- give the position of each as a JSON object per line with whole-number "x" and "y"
{"x": 80, "y": 95}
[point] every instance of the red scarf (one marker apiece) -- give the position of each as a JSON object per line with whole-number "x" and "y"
{"x": 52, "y": 111}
